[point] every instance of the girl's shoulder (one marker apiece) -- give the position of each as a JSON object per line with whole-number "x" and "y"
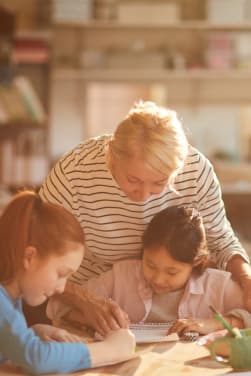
{"x": 213, "y": 276}
{"x": 128, "y": 266}
{"x": 218, "y": 273}
{"x": 9, "y": 308}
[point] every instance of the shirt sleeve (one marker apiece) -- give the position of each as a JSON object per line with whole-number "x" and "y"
{"x": 20, "y": 345}
{"x": 222, "y": 242}
{"x": 234, "y": 302}
{"x": 57, "y": 187}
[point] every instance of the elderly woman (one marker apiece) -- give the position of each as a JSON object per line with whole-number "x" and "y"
{"x": 115, "y": 184}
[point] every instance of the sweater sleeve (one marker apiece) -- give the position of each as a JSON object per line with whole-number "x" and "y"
{"x": 222, "y": 242}
{"x": 57, "y": 188}
{"x": 20, "y": 345}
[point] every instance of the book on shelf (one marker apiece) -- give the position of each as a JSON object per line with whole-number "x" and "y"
{"x": 30, "y": 98}
{"x": 19, "y": 102}
{"x": 30, "y": 51}
{"x": 23, "y": 160}
{"x": 12, "y": 104}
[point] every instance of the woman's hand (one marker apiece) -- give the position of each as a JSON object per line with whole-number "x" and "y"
{"x": 99, "y": 313}
{"x": 103, "y": 315}
{"x": 202, "y": 326}
{"x": 51, "y": 333}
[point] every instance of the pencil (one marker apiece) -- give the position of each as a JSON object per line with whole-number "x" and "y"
{"x": 218, "y": 316}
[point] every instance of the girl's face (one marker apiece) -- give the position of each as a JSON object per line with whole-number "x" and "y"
{"x": 162, "y": 272}
{"x": 42, "y": 278}
{"x": 138, "y": 180}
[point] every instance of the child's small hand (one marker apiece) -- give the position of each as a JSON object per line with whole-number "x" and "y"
{"x": 51, "y": 333}
{"x": 221, "y": 348}
{"x": 117, "y": 346}
{"x": 202, "y": 326}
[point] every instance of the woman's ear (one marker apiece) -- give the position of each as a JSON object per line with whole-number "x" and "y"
{"x": 30, "y": 254}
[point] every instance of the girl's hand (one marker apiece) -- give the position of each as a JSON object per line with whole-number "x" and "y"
{"x": 51, "y": 333}
{"x": 117, "y": 346}
{"x": 202, "y": 326}
{"x": 221, "y": 348}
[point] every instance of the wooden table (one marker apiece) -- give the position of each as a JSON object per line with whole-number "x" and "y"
{"x": 162, "y": 359}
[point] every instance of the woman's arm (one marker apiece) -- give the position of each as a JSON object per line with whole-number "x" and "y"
{"x": 225, "y": 249}
{"x": 241, "y": 272}
{"x": 80, "y": 305}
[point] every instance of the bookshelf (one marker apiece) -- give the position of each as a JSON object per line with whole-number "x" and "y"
{"x": 194, "y": 83}
{"x": 24, "y": 109}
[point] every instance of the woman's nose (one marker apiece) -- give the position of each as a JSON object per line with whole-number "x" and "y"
{"x": 144, "y": 193}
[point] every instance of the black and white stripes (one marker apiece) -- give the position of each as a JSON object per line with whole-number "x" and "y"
{"x": 113, "y": 224}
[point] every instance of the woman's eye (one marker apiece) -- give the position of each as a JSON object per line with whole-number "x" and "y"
{"x": 133, "y": 181}
{"x": 161, "y": 184}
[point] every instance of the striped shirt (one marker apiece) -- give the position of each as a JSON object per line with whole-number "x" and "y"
{"x": 113, "y": 224}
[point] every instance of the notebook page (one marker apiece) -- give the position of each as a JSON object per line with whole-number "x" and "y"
{"x": 153, "y": 332}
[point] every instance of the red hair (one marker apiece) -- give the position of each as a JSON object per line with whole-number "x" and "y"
{"x": 28, "y": 221}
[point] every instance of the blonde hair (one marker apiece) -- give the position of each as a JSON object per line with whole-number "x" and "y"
{"x": 155, "y": 134}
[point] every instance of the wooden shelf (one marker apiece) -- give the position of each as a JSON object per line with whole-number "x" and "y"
{"x": 184, "y": 87}
{"x": 183, "y": 25}
{"x": 44, "y": 35}
{"x": 13, "y": 129}
{"x": 146, "y": 75}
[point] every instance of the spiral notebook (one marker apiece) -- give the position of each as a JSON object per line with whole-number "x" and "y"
{"x": 153, "y": 332}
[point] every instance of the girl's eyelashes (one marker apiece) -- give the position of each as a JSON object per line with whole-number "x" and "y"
{"x": 172, "y": 273}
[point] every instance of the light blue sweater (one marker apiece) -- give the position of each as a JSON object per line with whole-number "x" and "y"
{"x": 25, "y": 349}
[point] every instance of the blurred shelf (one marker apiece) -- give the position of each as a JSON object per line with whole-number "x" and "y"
{"x": 44, "y": 34}
{"x": 182, "y": 25}
{"x": 192, "y": 87}
{"x": 147, "y": 74}
{"x": 13, "y": 129}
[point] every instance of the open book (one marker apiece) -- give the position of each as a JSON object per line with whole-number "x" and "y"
{"x": 153, "y": 332}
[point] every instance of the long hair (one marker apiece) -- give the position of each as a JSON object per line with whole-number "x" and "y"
{"x": 28, "y": 221}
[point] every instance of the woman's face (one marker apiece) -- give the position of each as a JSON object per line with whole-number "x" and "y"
{"x": 42, "y": 278}
{"x": 137, "y": 179}
{"x": 162, "y": 272}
